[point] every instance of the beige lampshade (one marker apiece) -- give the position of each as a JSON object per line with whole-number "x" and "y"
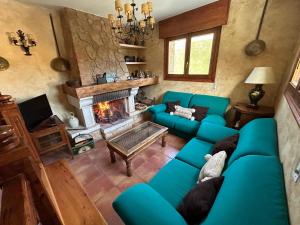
{"x": 261, "y": 75}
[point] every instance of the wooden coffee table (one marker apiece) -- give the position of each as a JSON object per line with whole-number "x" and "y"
{"x": 134, "y": 141}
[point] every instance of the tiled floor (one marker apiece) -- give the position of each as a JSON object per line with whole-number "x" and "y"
{"x": 104, "y": 181}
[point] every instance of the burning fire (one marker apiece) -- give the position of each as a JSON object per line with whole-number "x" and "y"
{"x": 103, "y": 109}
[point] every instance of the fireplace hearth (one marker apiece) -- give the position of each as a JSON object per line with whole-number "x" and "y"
{"x": 110, "y": 113}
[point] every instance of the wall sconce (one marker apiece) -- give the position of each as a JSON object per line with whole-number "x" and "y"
{"x": 25, "y": 41}
{"x": 4, "y": 64}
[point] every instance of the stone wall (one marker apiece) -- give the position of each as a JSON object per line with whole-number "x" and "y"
{"x": 279, "y": 31}
{"x": 30, "y": 76}
{"x": 289, "y": 142}
{"x": 92, "y": 46}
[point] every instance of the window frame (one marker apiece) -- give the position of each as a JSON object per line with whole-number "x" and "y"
{"x": 292, "y": 93}
{"x": 210, "y": 77}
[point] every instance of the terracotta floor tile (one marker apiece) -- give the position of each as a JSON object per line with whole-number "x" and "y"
{"x": 104, "y": 181}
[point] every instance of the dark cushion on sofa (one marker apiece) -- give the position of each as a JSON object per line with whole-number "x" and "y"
{"x": 198, "y": 201}
{"x": 200, "y": 113}
{"x": 171, "y": 106}
{"x": 194, "y": 151}
{"x": 228, "y": 145}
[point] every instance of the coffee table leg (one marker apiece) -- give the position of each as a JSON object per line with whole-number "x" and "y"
{"x": 128, "y": 167}
{"x": 164, "y": 142}
{"x": 112, "y": 156}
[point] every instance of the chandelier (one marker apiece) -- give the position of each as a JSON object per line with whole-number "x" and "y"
{"x": 132, "y": 31}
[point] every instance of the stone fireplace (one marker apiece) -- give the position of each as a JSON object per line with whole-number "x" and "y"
{"x": 110, "y": 113}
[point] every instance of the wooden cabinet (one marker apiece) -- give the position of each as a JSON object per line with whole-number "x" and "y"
{"x": 11, "y": 115}
{"x": 51, "y": 137}
{"x": 245, "y": 114}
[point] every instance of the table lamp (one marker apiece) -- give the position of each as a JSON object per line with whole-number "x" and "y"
{"x": 259, "y": 76}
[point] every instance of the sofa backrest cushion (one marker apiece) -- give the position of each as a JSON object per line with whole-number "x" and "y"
{"x": 172, "y": 96}
{"x": 258, "y": 137}
{"x": 216, "y": 105}
{"x": 253, "y": 192}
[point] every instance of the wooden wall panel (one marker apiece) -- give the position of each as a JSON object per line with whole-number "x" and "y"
{"x": 202, "y": 18}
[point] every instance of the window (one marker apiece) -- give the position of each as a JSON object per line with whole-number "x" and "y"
{"x": 292, "y": 92}
{"x": 192, "y": 57}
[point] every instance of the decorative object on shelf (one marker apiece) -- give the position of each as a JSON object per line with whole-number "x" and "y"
{"x": 142, "y": 98}
{"x": 259, "y": 76}
{"x": 140, "y": 106}
{"x": 257, "y": 46}
{"x": 25, "y": 41}
{"x": 73, "y": 121}
{"x": 106, "y": 78}
{"x": 82, "y": 143}
{"x": 128, "y": 58}
{"x": 59, "y": 63}
{"x": 4, "y": 99}
{"x": 4, "y": 64}
{"x": 133, "y": 31}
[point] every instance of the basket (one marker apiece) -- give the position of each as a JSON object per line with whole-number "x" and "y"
{"x": 82, "y": 143}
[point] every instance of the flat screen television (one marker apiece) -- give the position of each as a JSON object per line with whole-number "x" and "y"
{"x": 35, "y": 110}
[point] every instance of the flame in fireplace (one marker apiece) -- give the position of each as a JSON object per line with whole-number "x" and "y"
{"x": 103, "y": 107}
{"x": 109, "y": 111}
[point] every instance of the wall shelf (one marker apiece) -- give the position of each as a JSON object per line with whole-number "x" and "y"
{"x": 132, "y": 46}
{"x": 135, "y": 63}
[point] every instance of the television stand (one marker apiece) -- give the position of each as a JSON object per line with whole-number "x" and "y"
{"x": 50, "y": 136}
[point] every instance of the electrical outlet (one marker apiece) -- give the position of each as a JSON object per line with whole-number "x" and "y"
{"x": 296, "y": 173}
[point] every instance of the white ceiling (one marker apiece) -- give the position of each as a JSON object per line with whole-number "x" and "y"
{"x": 162, "y": 8}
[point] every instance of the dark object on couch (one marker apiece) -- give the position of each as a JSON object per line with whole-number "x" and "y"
{"x": 198, "y": 201}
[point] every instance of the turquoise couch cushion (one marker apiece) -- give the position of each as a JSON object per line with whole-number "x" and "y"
{"x": 216, "y": 105}
{"x": 187, "y": 126}
{"x": 258, "y": 137}
{"x": 140, "y": 204}
{"x": 215, "y": 119}
{"x": 214, "y": 133}
{"x": 174, "y": 180}
{"x": 194, "y": 151}
{"x": 171, "y": 96}
{"x": 166, "y": 119}
{"x": 252, "y": 193}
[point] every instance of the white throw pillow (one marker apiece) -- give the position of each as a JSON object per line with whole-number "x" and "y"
{"x": 213, "y": 167}
{"x": 183, "y": 112}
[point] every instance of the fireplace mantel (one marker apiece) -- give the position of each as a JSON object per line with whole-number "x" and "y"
{"x": 86, "y": 91}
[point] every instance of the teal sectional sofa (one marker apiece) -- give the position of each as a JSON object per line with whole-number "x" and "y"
{"x": 182, "y": 126}
{"x": 253, "y": 191}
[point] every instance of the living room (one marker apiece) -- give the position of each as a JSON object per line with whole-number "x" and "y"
{"x": 186, "y": 111}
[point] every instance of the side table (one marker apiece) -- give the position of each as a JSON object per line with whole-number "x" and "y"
{"x": 245, "y": 114}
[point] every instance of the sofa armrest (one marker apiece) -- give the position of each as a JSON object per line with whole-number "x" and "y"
{"x": 157, "y": 108}
{"x": 213, "y": 133}
{"x": 141, "y": 204}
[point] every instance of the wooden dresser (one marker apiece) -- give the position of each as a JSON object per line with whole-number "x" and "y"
{"x": 35, "y": 194}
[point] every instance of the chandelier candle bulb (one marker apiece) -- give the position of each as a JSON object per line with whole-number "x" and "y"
{"x": 150, "y": 6}
{"x": 111, "y": 18}
{"x": 145, "y": 8}
{"x": 118, "y": 5}
{"x": 127, "y": 8}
